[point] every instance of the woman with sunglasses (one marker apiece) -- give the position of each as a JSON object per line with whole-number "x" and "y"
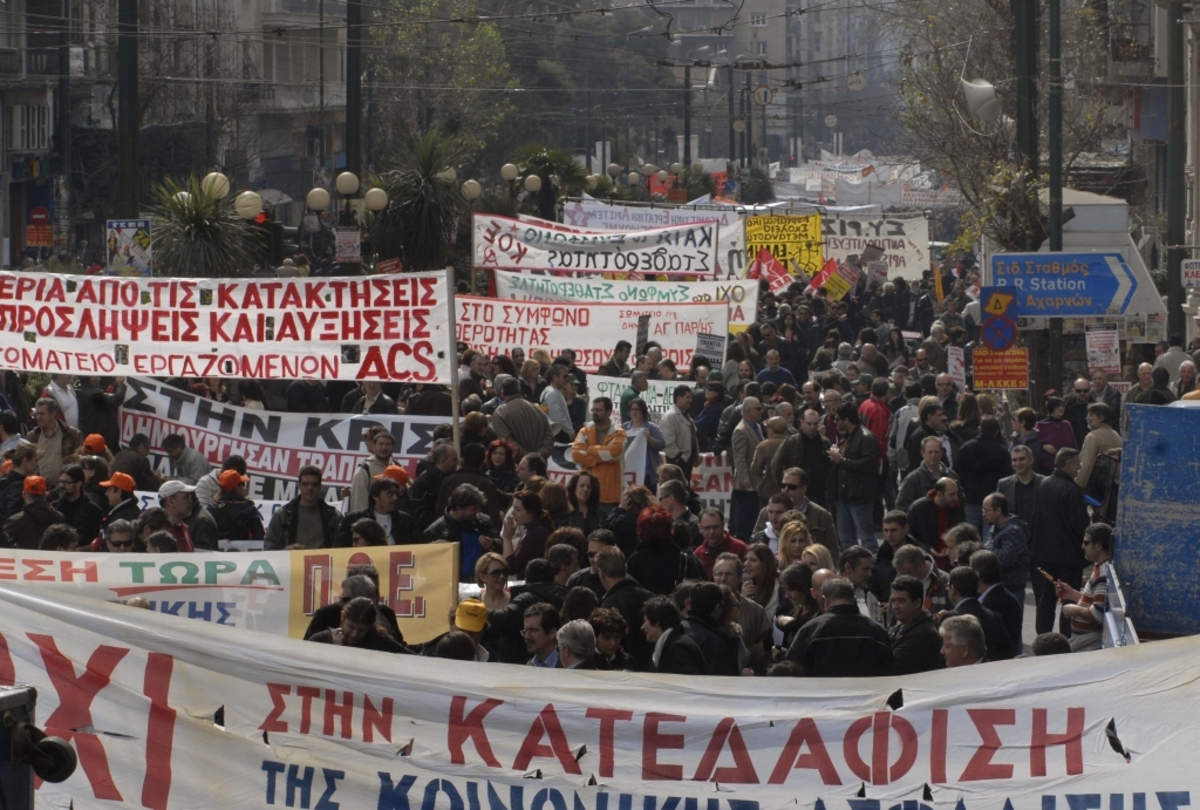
{"x": 491, "y": 572}
{"x": 367, "y": 532}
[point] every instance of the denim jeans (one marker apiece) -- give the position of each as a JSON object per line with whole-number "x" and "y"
{"x": 856, "y": 525}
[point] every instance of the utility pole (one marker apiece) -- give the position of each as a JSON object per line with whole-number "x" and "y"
{"x": 687, "y": 116}
{"x": 1056, "y": 180}
{"x": 749, "y": 151}
{"x": 127, "y": 109}
{"x": 1026, "y": 48}
{"x": 1176, "y": 160}
{"x": 587, "y": 113}
{"x": 321, "y": 78}
{"x": 732, "y": 146}
{"x": 64, "y": 105}
{"x": 354, "y": 87}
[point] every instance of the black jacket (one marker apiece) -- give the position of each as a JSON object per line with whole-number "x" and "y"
{"x": 82, "y": 515}
{"x": 660, "y": 566}
{"x": 125, "y": 510}
{"x": 503, "y": 633}
{"x": 627, "y": 597}
{"x": 26, "y": 527}
{"x": 281, "y": 532}
{"x": 842, "y": 643}
{"x": 719, "y": 650}
{"x": 404, "y": 532}
{"x": 916, "y": 647}
{"x": 923, "y": 522}
{"x": 98, "y": 411}
{"x": 1061, "y": 519}
{"x": 12, "y": 494}
{"x": 680, "y": 655}
{"x": 476, "y": 478}
{"x": 305, "y": 398}
{"x": 330, "y": 616}
{"x": 999, "y": 647}
{"x": 980, "y": 464}
{"x": 1011, "y": 613}
{"x": 913, "y": 445}
{"x": 857, "y": 475}
{"x": 383, "y": 404}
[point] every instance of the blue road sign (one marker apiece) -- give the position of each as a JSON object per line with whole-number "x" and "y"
{"x": 1065, "y": 284}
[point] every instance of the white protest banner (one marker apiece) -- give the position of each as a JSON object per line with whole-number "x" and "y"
{"x": 741, "y": 296}
{"x": 513, "y": 244}
{"x": 269, "y": 591}
{"x": 277, "y": 444}
{"x": 604, "y": 216}
{"x": 393, "y": 328}
{"x": 310, "y": 726}
{"x": 1103, "y": 351}
{"x": 591, "y": 330}
{"x": 711, "y": 348}
{"x": 956, "y": 367}
{"x": 904, "y": 242}
{"x": 659, "y": 394}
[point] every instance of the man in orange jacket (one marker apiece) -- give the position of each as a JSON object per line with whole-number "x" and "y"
{"x": 599, "y": 448}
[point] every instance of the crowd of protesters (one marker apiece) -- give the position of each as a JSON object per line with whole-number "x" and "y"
{"x": 882, "y": 518}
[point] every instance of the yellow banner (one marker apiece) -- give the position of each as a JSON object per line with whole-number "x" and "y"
{"x": 796, "y": 241}
{"x": 419, "y": 582}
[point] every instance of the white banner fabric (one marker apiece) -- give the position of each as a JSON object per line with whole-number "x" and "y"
{"x": 273, "y": 592}
{"x": 381, "y": 328}
{"x": 277, "y": 444}
{"x": 591, "y": 330}
{"x": 905, "y": 242}
{"x": 603, "y": 216}
{"x": 513, "y": 244}
{"x": 317, "y": 727}
{"x": 740, "y": 296}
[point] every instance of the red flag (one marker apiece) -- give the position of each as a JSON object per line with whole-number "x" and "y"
{"x": 820, "y": 278}
{"x": 754, "y": 273}
{"x": 776, "y": 273}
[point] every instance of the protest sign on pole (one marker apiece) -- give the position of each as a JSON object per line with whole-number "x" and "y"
{"x": 129, "y": 247}
{"x": 601, "y": 215}
{"x": 904, "y": 242}
{"x": 513, "y": 244}
{"x": 1103, "y": 351}
{"x": 379, "y": 328}
{"x": 739, "y": 295}
{"x": 135, "y": 693}
{"x": 348, "y": 245}
{"x": 956, "y": 367}
{"x": 795, "y": 240}
{"x": 1006, "y": 370}
{"x": 842, "y": 281}
{"x": 711, "y": 348}
{"x": 591, "y": 330}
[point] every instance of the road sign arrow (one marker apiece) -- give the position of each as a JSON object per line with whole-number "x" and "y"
{"x": 1124, "y": 283}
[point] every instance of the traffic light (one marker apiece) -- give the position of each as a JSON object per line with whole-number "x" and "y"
{"x": 271, "y": 234}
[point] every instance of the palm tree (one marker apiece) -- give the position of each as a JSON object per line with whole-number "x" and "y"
{"x": 197, "y": 234}
{"x": 555, "y": 168}
{"x": 419, "y": 222}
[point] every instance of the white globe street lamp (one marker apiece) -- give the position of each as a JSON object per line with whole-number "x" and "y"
{"x": 634, "y": 178}
{"x": 509, "y": 172}
{"x": 376, "y": 199}
{"x": 183, "y": 197}
{"x": 346, "y": 183}
{"x": 533, "y": 184}
{"x": 217, "y": 184}
{"x": 248, "y": 205}
{"x": 447, "y": 175}
{"x": 613, "y": 170}
{"x": 472, "y": 190}
{"x": 318, "y": 199}
{"x": 676, "y": 168}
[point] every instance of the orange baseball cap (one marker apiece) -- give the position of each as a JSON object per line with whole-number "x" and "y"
{"x": 122, "y": 481}
{"x": 35, "y": 485}
{"x": 6, "y": 466}
{"x": 230, "y": 479}
{"x": 95, "y": 443}
{"x": 396, "y": 473}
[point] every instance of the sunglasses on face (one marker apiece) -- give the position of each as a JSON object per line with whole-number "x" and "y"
{"x": 499, "y": 572}
{"x": 116, "y": 544}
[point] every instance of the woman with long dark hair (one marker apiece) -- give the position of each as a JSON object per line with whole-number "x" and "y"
{"x": 501, "y": 466}
{"x": 526, "y": 512}
{"x": 583, "y": 492}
